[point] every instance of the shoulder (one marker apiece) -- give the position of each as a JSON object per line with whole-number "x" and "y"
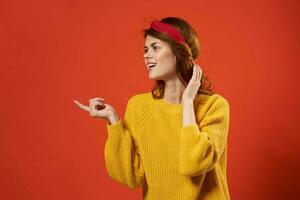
{"x": 140, "y": 98}
{"x": 140, "y": 105}
{"x": 210, "y": 104}
{"x": 141, "y": 102}
{"x": 205, "y": 100}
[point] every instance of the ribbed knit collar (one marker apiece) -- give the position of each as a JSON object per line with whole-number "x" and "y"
{"x": 166, "y": 106}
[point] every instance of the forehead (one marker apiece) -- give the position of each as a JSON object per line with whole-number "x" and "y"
{"x": 152, "y": 40}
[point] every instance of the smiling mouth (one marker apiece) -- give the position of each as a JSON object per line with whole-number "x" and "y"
{"x": 152, "y": 66}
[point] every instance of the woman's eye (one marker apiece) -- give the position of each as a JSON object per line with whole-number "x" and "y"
{"x": 154, "y": 47}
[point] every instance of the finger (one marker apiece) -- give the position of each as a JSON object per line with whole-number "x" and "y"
{"x": 194, "y": 73}
{"x": 86, "y": 108}
{"x": 97, "y": 101}
{"x": 95, "y": 104}
{"x": 92, "y": 107}
{"x": 97, "y": 98}
{"x": 199, "y": 73}
{"x": 200, "y": 70}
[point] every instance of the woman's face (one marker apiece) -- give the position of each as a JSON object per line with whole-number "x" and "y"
{"x": 159, "y": 52}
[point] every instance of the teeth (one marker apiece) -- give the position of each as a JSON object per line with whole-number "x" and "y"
{"x": 151, "y": 65}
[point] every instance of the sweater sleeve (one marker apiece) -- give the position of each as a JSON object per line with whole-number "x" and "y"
{"x": 122, "y": 157}
{"x": 201, "y": 145}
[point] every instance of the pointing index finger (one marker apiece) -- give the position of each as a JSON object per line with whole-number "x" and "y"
{"x": 97, "y": 98}
{"x": 86, "y": 108}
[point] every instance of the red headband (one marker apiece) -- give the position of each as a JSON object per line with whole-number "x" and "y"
{"x": 168, "y": 29}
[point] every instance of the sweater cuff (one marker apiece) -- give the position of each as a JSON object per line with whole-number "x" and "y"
{"x": 115, "y": 129}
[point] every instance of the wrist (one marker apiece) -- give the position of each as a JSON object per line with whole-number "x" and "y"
{"x": 113, "y": 118}
{"x": 187, "y": 101}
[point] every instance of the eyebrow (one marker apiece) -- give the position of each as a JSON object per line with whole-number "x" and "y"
{"x": 151, "y": 44}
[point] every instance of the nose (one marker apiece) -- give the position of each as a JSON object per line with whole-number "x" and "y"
{"x": 146, "y": 58}
{"x": 148, "y": 54}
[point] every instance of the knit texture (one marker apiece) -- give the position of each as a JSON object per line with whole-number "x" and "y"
{"x": 152, "y": 149}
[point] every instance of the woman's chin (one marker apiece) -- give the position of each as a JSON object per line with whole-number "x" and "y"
{"x": 152, "y": 76}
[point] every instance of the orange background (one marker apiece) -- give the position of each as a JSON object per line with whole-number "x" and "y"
{"x": 55, "y": 51}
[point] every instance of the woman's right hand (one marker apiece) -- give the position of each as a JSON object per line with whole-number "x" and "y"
{"x": 97, "y": 108}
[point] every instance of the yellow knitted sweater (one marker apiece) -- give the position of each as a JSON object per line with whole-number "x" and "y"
{"x": 151, "y": 148}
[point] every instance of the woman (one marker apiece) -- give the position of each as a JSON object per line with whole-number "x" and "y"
{"x": 173, "y": 140}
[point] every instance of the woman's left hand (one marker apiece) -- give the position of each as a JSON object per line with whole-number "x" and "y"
{"x": 193, "y": 85}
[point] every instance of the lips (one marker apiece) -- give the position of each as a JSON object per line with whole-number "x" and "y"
{"x": 151, "y": 65}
